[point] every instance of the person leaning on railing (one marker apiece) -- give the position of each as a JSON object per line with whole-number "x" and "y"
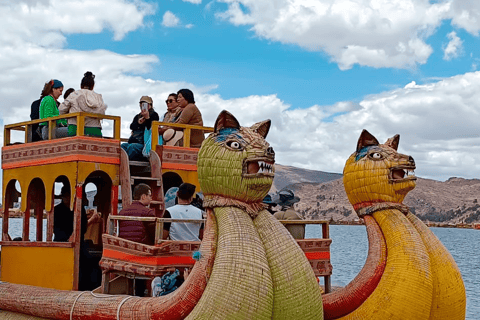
{"x": 85, "y": 100}
{"x": 190, "y": 115}
{"x": 48, "y": 108}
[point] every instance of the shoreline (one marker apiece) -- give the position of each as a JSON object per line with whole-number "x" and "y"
{"x": 16, "y": 214}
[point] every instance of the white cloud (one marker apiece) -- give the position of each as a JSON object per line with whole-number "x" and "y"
{"x": 193, "y": 1}
{"x": 454, "y": 47}
{"x": 466, "y": 15}
{"x": 170, "y": 20}
{"x": 436, "y": 121}
{"x": 375, "y": 33}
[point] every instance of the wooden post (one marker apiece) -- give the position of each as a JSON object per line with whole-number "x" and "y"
{"x": 80, "y": 125}
{"x": 50, "y": 225}
{"x": 26, "y": 223}
{"x": 77, "y": 219}
{"x": 6, "y": 213}
{"x": 158, "y": 231}
{"x": 116, "y": 131}
{"x": 186, "y": 137}
{"x": 6, "y": 137}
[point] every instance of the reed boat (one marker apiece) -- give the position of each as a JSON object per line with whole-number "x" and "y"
{"x": 248, "y": 266}
{"x": 42, "y": 279}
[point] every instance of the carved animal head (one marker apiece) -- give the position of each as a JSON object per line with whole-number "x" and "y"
{"x": 377, "y": 172}
{"x": 236, "y": 162}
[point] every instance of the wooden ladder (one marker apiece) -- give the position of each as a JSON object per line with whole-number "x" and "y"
{"x": 134, "y": 172}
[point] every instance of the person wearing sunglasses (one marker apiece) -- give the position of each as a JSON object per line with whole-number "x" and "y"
{"x": 140, "y": 122}
{"x": 173, "y": 110}
{"x": 190, "y": 115}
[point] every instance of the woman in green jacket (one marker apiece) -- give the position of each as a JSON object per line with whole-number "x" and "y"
{"x": 49, "y": 108}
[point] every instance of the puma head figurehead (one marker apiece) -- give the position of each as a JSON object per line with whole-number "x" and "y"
{"x": 377, "y": 172}
{"x": 236, "y": 162}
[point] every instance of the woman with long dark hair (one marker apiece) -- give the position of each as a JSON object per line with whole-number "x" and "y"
{"x": 85, "y": 100}
{"x": 49, "y": 108}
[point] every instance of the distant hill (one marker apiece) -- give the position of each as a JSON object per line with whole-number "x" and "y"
{"x": 322, "y": 196}
{"x": 286, "y": 176}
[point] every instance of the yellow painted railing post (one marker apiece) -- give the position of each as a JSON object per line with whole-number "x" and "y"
{"x": 186, "y": 137}
{"x": 6, "y": 137}
{"x": 80, "y": 126}
{"x": 50, "y": 129}
{"x": 154, "y": 134}
{"x": 116, "y": 132}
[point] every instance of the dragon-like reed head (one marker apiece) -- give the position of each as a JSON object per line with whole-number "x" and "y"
{"x": 236, "y": 162}
{"x": 377, "y": 172}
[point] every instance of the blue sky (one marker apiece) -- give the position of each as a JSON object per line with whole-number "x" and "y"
{"x": 239, "y": 63}
{"x": 321, "y": 70}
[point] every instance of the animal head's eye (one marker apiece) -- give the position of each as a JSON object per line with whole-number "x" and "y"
{"x": 376, "y": 155}
{"x": 235, "y": 145}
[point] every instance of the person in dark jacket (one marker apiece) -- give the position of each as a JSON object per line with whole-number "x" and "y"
{"x": 138, "y": 231}
{"x": 63, "y": 217}
{"x": 140, "y": 122}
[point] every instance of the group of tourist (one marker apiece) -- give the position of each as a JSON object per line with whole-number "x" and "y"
{"x": 144, "y": 232}
{"x": 83, "y": 100}
{"x": 181, "y": 109}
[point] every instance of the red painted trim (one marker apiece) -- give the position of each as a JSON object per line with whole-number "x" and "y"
{"x": 86, "y": 158}
{"x": 177, "y": 166}
{"x": 317, "y": 255}
{"x": 153, "y": 261}
{"x": 180, "y": 148}
{"x": 55, "y": 141}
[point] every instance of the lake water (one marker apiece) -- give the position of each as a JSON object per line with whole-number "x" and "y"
{"x": 350, "y": 246}
{"x": 349, "y": 252}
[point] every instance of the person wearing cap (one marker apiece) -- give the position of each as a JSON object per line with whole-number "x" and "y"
{"x": 141, "y": 121}
{"x": 84, "y": 100}
{"x": 286, "y": 199}
{"x": 49, "y": 108}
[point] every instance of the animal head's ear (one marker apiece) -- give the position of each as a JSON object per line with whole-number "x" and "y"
{"x": 393, "y": 142}
{"x": 226, "y": 120}
{"x": 262, "y": 128}
{"x": 366, "y": 139}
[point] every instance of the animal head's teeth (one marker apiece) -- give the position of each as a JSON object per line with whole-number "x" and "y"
{"x": 264, "y": 167}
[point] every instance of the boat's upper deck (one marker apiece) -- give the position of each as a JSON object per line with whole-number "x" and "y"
{"x": 19, "y": 150}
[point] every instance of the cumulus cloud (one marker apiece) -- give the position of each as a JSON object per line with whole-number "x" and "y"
{"x": 31, "y": 20}
{"x": 375, "y": 33}
{"x": 466, "y": 15}
{"x": 436, "y": 121}
{"x": 170, "y": 20}
{"x": 193, "y": 1}
{"x": 385, "y": 33}
{"x": 454, "y": 47}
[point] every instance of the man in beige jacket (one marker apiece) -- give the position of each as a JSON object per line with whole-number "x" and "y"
{"x": 286, "y": 199}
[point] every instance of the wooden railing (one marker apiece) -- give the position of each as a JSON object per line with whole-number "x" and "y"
{"x": 112, "y": 227}
{"x": 52, "y": 124}
{"x": 187, "y": 131}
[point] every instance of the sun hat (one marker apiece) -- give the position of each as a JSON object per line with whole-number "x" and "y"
{"x": 286, "y": 198}
{"x": 171, "y": 137}
{"x": 146, "y": 99}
